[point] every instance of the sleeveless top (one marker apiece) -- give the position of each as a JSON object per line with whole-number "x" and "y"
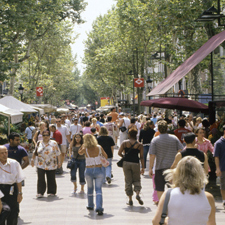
{"x": 193, "y": 152}
{"x": 187, "y": 209}
{"x": 133, "y": 155}
{"x": 75, "y": 153}
{"x": 93, "y": 161}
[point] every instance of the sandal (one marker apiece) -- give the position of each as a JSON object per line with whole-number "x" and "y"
{"x": 81, "y": 192}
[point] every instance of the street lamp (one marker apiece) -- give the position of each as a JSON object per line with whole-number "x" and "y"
{"x": 211, "y": 14}
{"x": 21, "y": 88}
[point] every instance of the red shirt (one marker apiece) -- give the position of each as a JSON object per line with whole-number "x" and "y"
{"x": 180, "y": 133}
{"x": 58, "y": 137}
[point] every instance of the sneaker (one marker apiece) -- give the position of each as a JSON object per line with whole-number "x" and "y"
{"x": 100, "y": 212}
{"x": 139, "y": 200}
{"x": 81, "y": 192}
{"x": 39, "y": 196}
{"x": 51, "y": 195}
{"x": 90, "y": 208}
{"x": 108, "y": 180}
{"x": 130, "y": 203}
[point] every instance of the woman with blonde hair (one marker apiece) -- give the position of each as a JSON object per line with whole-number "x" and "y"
{"x": 95, "y": 125}
{"x": 38, "y": 135}
{"x": 94, "y": 171}
{"x": 188, "y": 203}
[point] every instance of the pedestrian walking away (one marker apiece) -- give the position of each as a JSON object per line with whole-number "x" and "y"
{"x": 132, "y": 151}
{"x": 94, "y": 173}
{"x": 78, "y": 162}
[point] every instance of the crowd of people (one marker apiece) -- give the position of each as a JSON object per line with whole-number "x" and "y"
{"x": 174, "y": 146}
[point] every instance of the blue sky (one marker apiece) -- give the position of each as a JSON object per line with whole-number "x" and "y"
{"x": 93, "y": 10}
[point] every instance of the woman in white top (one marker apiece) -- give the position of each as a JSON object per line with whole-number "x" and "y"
{"x": 189, "y": 204}
{"x": 94, "y": 172}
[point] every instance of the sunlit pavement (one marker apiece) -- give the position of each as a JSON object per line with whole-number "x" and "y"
{"x": 66, "y": 208}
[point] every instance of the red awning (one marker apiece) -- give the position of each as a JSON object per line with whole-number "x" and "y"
{"x": 177, "y": 103}
{"x": 189, "y": 64}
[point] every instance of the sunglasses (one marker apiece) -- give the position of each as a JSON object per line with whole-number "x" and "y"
{"x": 46, "y": 135}
{"x": 58, "y": 121}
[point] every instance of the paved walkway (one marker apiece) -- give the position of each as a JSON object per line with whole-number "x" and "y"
{"x": 69, "y": 209}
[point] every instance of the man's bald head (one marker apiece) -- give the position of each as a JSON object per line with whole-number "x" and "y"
{"x": 3, "y": 154}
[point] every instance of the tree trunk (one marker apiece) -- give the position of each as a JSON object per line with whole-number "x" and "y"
{"x": 13, "y": 75}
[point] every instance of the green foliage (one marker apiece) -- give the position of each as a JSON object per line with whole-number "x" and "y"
{"x": 125, "y": 38}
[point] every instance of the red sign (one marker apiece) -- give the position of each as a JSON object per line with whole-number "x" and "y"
{"x": 39, "y": 91}
{"x": 139, "y": 82}
{"x": 96, "y": 103}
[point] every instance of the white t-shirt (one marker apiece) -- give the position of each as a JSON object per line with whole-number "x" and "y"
{"x": 75, "y": 129}
{"x": 68, "y": 122}
{"x": 111, "y": 128}
{"x": 64, "y": 131}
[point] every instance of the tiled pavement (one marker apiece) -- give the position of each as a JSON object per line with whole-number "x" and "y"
{"x": 68, "y": 209}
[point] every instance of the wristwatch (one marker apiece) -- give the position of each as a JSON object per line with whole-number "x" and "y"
{"x": 20, "y": 193}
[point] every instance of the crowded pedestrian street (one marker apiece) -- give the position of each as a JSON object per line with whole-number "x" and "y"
{"x": 66, "y": 208}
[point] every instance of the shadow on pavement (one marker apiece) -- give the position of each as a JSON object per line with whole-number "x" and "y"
{"x": 21, "y": 221}
{"x": 138, "y": 209}
{"x": 48, "y": 199}
{"x": 110, "y": 185}
{"x": 77, "y": 195}
{"x": 93, "y": 216}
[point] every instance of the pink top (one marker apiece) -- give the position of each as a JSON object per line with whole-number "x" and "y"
{"x": 205, "y": 146}
{"x": 86, "y": 130}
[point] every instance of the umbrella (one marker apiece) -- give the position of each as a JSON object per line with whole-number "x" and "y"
{"x": 177, "y": 103}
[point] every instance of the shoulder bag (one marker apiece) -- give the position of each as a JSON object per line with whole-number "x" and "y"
{"x": 120, "y": 162}
{"x": 123, "y": 128}
{"x": 104, "y": 161}
{"x": 165, "y": 206}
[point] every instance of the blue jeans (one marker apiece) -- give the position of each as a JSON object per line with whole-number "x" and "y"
{"x": 107, "y": 170}
{"x": 79, "y": 163}
{"x": 146, "y": 149}
{"x": 94, "y": 174}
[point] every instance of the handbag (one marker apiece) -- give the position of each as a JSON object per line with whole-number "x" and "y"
{"x": 70, "y": 164}
{"x": 36, "y": 148}
{"x": 165, "y": 206}
{"x": 104, "y": 161}
{"x": 5, "y": 212}
{"x": 120, "y": 162}
{"x": 123, "y": 128}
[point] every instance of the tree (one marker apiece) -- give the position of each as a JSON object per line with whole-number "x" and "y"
{"x": 25, "y": 21}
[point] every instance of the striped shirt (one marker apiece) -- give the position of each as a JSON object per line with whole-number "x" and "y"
{"x": 165, "y": 148}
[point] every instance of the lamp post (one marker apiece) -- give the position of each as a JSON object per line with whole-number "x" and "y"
{"x": 21, "y": 88}
{"x": 210, "y": 15}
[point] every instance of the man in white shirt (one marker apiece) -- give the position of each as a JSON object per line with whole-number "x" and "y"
{"x": 111, "y": 127}
{"x": 75, "y": 128}
{"x": 65, "y": 136}
{"x": 11, "y": 177}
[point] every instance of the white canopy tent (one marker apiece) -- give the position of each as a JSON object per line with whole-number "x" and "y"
{"x": 13, "y": 103}
{"x": 14, "y": 115}
{"x": 48, "y": 108}
{"x": 63, "y": 110}
{"x": 41, "y": 111}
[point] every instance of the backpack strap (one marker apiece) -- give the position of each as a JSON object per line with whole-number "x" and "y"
{"x": 165, "y": 206}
